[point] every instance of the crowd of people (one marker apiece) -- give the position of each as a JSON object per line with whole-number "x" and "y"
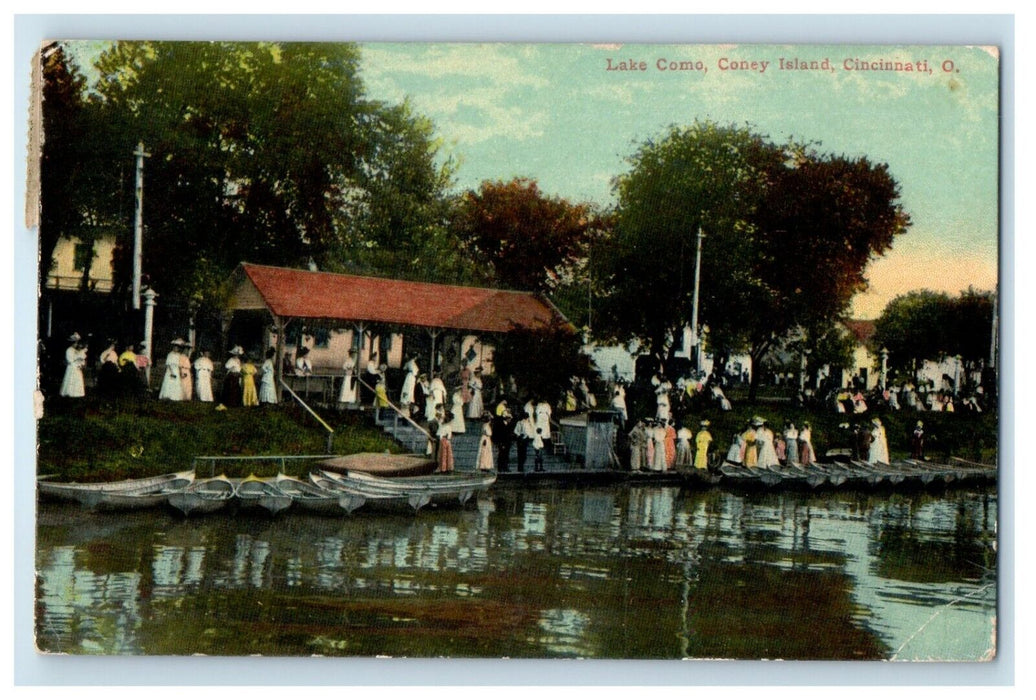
{"x": 669, "y": 439}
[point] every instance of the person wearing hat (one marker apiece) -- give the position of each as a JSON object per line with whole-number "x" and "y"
{"x": 348, "y": 393}
{"x": 203, "y": 377}
{"x": 171, "y": 389}
{"x": 670, "y": 444}
{"x": 406, "y": 393}
{"x": 806, "y": 454}
{"x": 736, "y": 451}
{"x": 484, "y": 461}
{"x": 267, "y": 388}
{"x": 108, "y": 371}
{"x": 232, "y": 378}
{"x": 457, "y": 426}
{"x": 767, "y": 450}
{"x": 702, "y": 441}
{"x": 751, "y": 442}
{"x": 684, "y": 456}
{"x": 72, "y": 384}
{"x": 503, "y": 435}
{"x": 249, "y": 393}
{"x": 475, "y": 405}
{"x": 879, "y": 451}
{"x": 791, "y": 443}
{"x": 917, "y": 442}
{"x": 638, "y": 441}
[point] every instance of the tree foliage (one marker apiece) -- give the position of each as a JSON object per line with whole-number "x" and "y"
{"x": 542, "y": 360}
{"x": 267, "y": 152}
{"x": 522, "y": 238}
{"x": 62, "y": 171}
{"x": 788, "y": 233}
{"x": 926, "y": 325}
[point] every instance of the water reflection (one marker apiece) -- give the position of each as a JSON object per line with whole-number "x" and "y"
{"x": 609, "y": 573}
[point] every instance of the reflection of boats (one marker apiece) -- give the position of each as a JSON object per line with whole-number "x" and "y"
{"x": 256, "y": 492}
{"x": 387, "y": 465}
{"x": 203, "y": 496}
{"x": 314, "y": 498}
{"x": 92, "y": 494}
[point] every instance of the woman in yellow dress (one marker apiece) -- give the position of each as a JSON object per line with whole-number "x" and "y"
{"x": 701, "y": 443}
{"x": 249, "y": 394}
{"x": 751, "y": 447}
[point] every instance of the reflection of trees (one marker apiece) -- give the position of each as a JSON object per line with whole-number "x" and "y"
{"x": 926, "y": 540}
{"x": 623, "y": 572}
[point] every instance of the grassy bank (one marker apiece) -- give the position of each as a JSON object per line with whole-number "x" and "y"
{"x": 88, "y": 440}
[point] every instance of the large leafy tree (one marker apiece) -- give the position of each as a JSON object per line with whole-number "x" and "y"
{"x": 523, "y": 238}
{"x": 913, "y": 328}
{"x": 788, "y": 233}
{"x": 925, "y": 325}
{"x": 62, "y": 163}
{"x": 267, "y": 152}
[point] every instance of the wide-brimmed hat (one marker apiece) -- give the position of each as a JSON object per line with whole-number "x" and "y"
{"x": 236, "y": 350}
{"x": 920, "y": 424}
{"x": 75, "y": 337}
{"x": 757, "y": 421}
{"x": 876, "y": 421}
{"x": 179, "y": 341}
{"x": 705, "y": 424}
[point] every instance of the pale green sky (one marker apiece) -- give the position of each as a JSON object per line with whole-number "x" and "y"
{"x": 554, "y": 112}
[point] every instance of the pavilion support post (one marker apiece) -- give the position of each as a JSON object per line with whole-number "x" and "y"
{"x": 434, "y": 333}
{"x": 278, "y": 368}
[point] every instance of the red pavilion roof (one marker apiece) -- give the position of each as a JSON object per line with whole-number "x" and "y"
{"x": 293, "y": 293}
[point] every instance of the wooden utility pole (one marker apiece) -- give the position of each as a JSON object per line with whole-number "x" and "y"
{"x": 138, "y": 225}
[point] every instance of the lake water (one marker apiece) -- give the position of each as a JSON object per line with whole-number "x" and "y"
{"x": 615, "y": 572}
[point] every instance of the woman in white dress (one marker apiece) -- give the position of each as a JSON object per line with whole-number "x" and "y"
{"x": 767, "y": 450}
{"x": 485, "y": 447}
{"x": 879, "y": 450}
{"x": 475, "y": 407}
{"x": 348, "y": 392}
{"x": 72, "y": 385}
{"x": 203, "y": 377}
{"x": 171, "y": 389}
{"x": 267, "y": 391}
{"x": 406, "y": 394}
{"x": 457, "y": 409}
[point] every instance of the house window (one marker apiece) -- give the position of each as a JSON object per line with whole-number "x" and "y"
{"x": 83, "y": 257}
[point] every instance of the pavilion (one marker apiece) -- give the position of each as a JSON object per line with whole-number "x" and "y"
{"x": 382, "y": 319}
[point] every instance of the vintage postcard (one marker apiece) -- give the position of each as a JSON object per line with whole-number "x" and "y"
{"x": 525, "y": 351}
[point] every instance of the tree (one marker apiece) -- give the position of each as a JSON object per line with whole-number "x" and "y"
{"x": 788, "y": 234}
{"x": 62, "y": 172}
{"x": 521, "y": 354}
{"x": 266, "y": 152}
{"x": 925, "y": 325}
{"x": 912, "y": 327}
{"x": 522, "y": 238}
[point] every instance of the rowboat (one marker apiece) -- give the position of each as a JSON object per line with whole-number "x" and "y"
{"x": 132, "y": 499}
{"x": 316, "y": 498}
{"x": 380, "y": 464}
{"x": 88, "y": 494}
{"x": 256, "y": 492}
{"x": 374, "y": 495}
{"x": 444, "y": 489}
{"x": 203, "y": 496}
{"x": 348, "y": 500}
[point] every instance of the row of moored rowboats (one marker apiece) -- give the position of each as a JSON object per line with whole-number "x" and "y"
{"x": 858, "y": 473}
{"x": 324, "y": 492}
